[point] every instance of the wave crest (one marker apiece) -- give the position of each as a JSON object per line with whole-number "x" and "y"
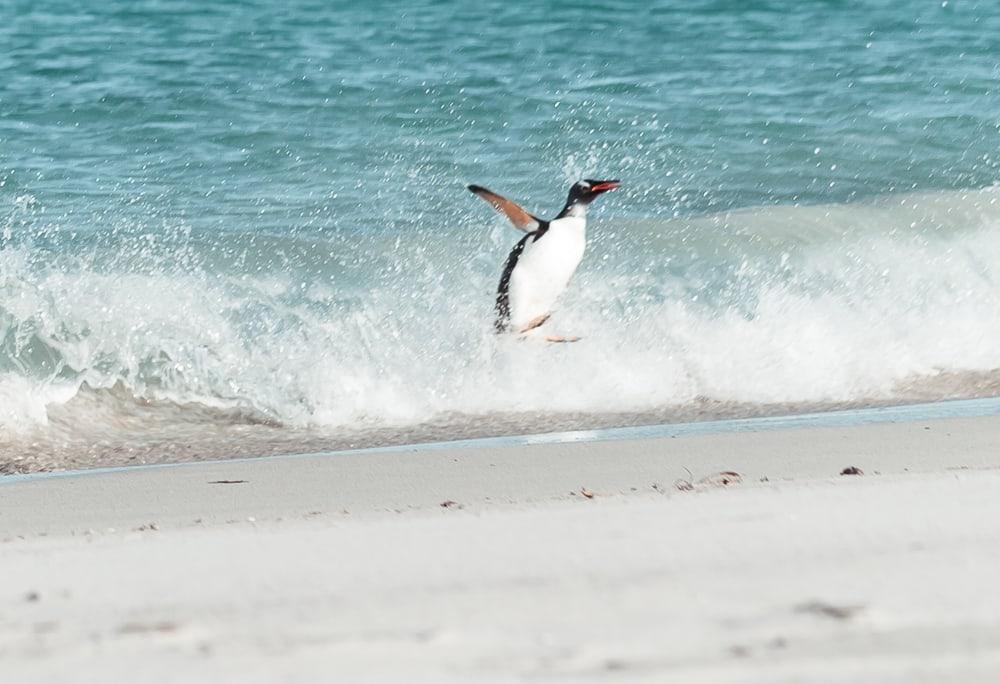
{"x": 772, "y": 305}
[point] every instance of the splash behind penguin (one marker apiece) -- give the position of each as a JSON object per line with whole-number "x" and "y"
{"x": 543, "y": 261}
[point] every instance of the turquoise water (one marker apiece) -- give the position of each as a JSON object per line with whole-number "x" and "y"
{"x": 251, "y": 216}
{"x": 307, "y": 118}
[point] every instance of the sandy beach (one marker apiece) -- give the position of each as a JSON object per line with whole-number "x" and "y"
{"x": 625, "y": 560}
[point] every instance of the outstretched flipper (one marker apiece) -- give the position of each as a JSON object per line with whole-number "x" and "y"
{"x": 521, "y": 219}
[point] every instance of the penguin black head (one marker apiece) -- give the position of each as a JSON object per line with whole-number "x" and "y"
{"x": 587, "y": 190}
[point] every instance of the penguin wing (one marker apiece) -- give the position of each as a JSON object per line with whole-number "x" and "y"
{"x": 521, "y": 219}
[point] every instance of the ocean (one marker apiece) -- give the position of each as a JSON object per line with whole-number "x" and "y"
{"x": 241, "y": 228}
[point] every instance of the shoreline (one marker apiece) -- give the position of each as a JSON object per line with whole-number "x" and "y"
{"x": 487, "y": 473}
{"x": 888, "y": 413}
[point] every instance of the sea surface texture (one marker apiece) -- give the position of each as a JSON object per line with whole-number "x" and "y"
{"x": 241, "y": 228}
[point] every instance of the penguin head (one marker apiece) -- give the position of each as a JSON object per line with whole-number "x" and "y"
{"x": 587, "y": 190}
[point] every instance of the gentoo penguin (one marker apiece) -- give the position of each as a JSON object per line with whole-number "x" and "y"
{"x": 541, "y": 264}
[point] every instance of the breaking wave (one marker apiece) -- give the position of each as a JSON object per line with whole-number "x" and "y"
{"x": 894, "y": 298}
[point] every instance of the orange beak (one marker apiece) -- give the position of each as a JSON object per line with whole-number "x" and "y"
{"x": 604, "y": 186}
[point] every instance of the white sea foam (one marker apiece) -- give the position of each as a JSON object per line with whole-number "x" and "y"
{"x": 775, "y": 305}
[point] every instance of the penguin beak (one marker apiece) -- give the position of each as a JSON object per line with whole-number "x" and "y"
{"x": 603, "y": 186}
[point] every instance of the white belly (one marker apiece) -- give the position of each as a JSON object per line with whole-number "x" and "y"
{"x": 544, "y": 269}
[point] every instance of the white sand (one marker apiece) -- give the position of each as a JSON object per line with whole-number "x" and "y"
{"x": 810, "y": 576}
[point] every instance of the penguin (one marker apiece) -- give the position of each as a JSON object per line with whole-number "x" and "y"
{"x": 543, "y": 261}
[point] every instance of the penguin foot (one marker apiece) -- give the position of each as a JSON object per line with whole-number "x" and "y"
{"x": 561, "y": 338}
{"x": 535, "y": 323}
